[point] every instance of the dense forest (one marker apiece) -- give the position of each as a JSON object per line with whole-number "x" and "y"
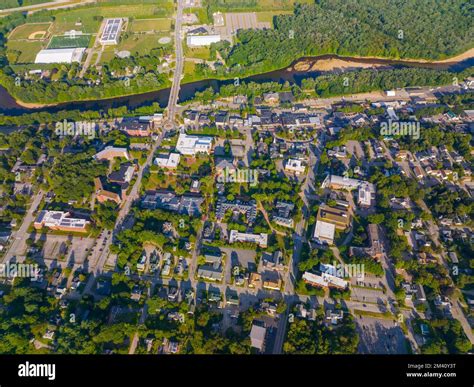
{"x": 430, "y": 29}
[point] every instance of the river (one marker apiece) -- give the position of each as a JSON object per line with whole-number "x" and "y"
{"x": 295, "y": 73}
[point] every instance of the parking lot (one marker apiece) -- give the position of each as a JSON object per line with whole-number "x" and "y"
{"x": 56, "y": 248}
{"x": 239, "y": 257}
{"x": 380, "y": 336}
{"x": 237, "y": 21}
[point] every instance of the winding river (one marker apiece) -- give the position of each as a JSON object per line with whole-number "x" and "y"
{"x": 295, "y": 73}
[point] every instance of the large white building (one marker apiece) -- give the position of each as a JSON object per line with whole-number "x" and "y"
{"x": 60, "y": 55}
{"x": 111, "y": 32}
{"x": 202, "y": 40}
{"x": 191, "y": 145}
{"x": 170, "y": 161}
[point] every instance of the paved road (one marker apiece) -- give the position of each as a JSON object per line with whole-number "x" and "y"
{"x": 99, "y": 262}
{"x": 18, "y": 246}
{"x": 179, "y": 65}
{"x": 50, "y": 5}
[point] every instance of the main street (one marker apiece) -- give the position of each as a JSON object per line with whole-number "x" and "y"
{"x": 99, "y": 260}
{"x": 18, "y": 246}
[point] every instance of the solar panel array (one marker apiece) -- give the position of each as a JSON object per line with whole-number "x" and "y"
{"x": 111, "y": 31}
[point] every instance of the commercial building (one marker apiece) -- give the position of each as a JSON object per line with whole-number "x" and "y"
{"x": 191, "y": 145}
{"x": 60, "y": 221}
{"x": 202, "y": 40}
{"x": 324, "y": 280}
{"x": 346, "y": 183}
{"x": 170, "y": 161}
{"x": 260, "y": 239}
{"x": 324, "y": 232}
{"x": 110, "y": 152}
{"x": 137, "y": 128}
{"x": 340, "y": 216}
{"x": 257, "y": 337}
{"x": 365, "y": 195}
{"x": 60, "y": 55}
{"x": 187, "y": 204}
{"x": 295, "y": 166}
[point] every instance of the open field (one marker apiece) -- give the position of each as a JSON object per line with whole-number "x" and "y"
{"x": 142, "y": 44}
{"x": 189, "y": 71}
{"x": 21, "y": 51}
{"x": 255, "y": 5}
{"x": 198, "y": 53}
{"x": 135, "y": 43}
{"x": 90, "y": 18}
{"x": 267, "y": 17}
{"x": 150, "y": 25}
{"x": 26, "y": 31}
{"x": 70, "y": 42}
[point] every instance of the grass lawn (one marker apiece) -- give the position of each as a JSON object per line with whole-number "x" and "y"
{"x": 25, "y": 30}
{"x": 267, "y": 17}
{"x": 189, "y": 74}
{"x": 155, "y": 182}
{"x": 107, "y": 55}
{"x": 23, "y": 51}
{"x": 198, "y": 53}
{"x": 147, "y": 25}
{"x": 141, "y": 44}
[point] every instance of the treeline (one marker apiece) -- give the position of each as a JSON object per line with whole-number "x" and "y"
{"x": 77, "y": 90}
{"x": 427, "y": 29}
{"x": 44, "y": 117}
{"x": 339, "y": 84}
{"x": 6, "y": 4}
{"x": 370, "y": 80}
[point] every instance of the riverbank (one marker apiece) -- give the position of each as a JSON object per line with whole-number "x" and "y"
{"x": 304, "y": 67}
{"x": 310, "y": 64}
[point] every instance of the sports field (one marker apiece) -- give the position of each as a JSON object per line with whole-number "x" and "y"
{"x": 70, "y": 42}
{"x": 31, "y": 31}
